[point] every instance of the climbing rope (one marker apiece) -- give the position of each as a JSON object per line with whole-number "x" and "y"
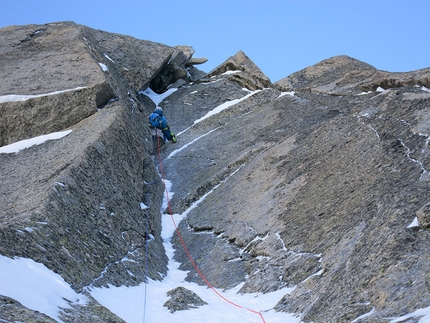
{"x": 185, "y": 247}
{"x": 147, "y": 240}
{"x": 146, "y": 254}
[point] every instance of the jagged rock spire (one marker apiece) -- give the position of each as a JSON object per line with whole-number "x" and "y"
{"x": 252, "y": 77}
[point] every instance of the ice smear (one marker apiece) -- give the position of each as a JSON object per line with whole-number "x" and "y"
{"x": 23, "y": 144}
{"x": 16, "y": 97}
{"x": 36, "y": 287}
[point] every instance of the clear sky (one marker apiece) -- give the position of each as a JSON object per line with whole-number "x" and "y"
{"x": 280, "y": 36}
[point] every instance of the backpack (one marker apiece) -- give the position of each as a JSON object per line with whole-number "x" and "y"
{"x": 155, "y": 120}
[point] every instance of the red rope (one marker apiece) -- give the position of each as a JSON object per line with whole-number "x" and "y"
{"x": 185, "y": 247}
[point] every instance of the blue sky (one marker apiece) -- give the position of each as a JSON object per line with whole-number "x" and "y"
{"x": 280, "y": 36}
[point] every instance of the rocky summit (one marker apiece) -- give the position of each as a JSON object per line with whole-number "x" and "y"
{"x": 317, "y": 184}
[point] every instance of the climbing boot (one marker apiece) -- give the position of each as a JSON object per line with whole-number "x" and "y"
{"x": 173, "y": 137}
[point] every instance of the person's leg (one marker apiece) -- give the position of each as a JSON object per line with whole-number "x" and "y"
{"x": 167, "y": 134}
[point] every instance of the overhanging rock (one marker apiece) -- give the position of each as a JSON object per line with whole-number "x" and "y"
{"x": 177, "y": 70}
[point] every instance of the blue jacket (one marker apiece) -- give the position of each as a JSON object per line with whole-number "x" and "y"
{"x": 157, "y": 120}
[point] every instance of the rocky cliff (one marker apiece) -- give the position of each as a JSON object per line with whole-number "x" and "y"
{"x": 311, "y": 182}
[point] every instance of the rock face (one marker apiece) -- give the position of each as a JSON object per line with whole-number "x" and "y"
{"x": 42, "y": 60}
{"x": 423, "y": 216}
{"x": 311, "y": 182}
{"x": 310, "y": 189}
{"x": 74, "y": 204}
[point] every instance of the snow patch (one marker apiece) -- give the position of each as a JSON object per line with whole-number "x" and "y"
{"x": 364, "y": 93}
{"x": 127, "y": 303}
{"x": 104, "y": 67}
{"x": 292, "y": 93}
{"x": 225, "y": 105}
{"x": 105, "y": 55}
{"x": 23, "y": 144}
{"x": 36, "y": 287}
{"x": 231, "y": 72}
{"x": 282, "y": 241}
{"x": 364, "y": 315}
{"x": 155, "y": 97}
{"x": 424, "y": 312}
{"x": 210, "y": 82}
{"x": 173, "y": 153}
{"x": 17, "y": 98}
{"x": 414, "y": 223}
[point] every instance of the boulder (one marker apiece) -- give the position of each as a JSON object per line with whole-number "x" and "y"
{"x": 183, "y": 299}
{"x": 284, "y": 85}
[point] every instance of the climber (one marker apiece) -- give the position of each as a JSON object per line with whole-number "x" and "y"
{"x": 157, "y": 120}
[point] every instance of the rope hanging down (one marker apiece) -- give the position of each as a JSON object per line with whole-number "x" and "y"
{"x": 185, "y": 247}
{"x": 147, "y": 240}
